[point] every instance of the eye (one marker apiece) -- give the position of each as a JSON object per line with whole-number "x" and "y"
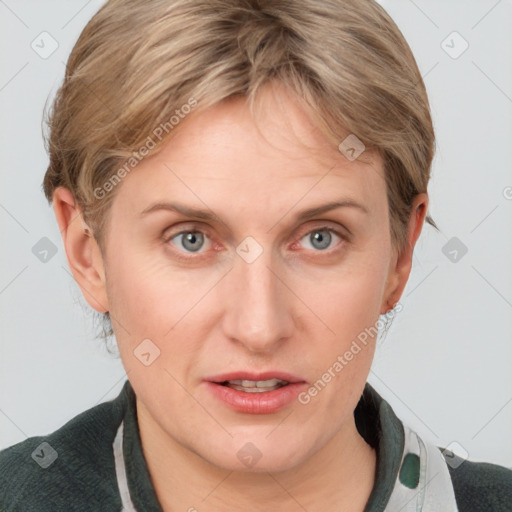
{"x": 191, "y": 241}
{"x": 321, "y": 238}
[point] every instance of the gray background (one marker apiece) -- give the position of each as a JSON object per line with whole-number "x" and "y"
{"x": 445, "y": 365}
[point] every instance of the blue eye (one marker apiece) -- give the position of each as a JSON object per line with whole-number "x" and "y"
{"x": 320, "y": 239}
{"x": 192, "y": 241}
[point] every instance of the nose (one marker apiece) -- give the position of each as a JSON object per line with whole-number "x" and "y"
{"x": 258, "y": 304}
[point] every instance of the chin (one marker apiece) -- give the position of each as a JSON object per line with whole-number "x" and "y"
{"x": 256, "y": 454}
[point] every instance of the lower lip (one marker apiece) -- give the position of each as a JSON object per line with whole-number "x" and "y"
{"x": 265, "y": 402}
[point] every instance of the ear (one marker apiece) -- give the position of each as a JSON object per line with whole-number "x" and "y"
{"x": 83, "y": 252}
{"x": 401, "y": 263}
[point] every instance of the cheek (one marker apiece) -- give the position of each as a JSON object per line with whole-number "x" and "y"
{"x": 347, "y": 302}
{"x": 341, "y": 358}
{"x": 150, "y": 305}
{"x": 154, "y": 299}
{"x": 350, "y": 314}
{"x": 347, "y": 298}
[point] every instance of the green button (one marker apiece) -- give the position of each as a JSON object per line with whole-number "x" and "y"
{"x": 410, "y": 471}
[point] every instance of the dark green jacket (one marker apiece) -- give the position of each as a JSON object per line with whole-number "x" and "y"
{"x": 74, "y": 468}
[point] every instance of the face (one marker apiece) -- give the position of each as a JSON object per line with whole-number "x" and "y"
{"x": 248, "y": 282}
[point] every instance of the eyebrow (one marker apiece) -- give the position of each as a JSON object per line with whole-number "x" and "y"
{"x": 207, "y": 215}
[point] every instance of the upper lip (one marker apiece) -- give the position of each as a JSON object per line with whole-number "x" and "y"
{"x": 241, "y": 375}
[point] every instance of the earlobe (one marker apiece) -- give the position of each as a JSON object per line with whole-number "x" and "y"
{"x": 402, "y": 261}
{"x": 83, "y": 253}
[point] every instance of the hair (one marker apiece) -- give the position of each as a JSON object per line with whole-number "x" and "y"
{"x": 140, "y": 67}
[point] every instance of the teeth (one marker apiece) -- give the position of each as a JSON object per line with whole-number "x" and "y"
{"x": 259, "y": 386}
{"x": 258, "y": 383}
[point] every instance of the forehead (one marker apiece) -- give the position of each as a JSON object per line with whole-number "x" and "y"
{"x": 226, "y": 154}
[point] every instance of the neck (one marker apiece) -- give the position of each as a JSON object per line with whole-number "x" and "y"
{"x": 339, "y": 476}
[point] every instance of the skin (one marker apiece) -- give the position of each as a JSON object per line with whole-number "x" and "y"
{"x": 295, "y": 308}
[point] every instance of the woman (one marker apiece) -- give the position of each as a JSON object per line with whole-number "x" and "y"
{"x": 239, "y": 186}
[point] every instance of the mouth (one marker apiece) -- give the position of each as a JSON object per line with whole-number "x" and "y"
{"x": 256, "y": 393}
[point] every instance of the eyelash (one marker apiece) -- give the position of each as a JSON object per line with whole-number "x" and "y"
{"x": 195, "y": 229}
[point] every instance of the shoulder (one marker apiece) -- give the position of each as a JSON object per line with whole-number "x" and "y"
{"x": 66, "y": 469}
{"x": 480, "y": 486}
{"x": 475, "y": 486}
